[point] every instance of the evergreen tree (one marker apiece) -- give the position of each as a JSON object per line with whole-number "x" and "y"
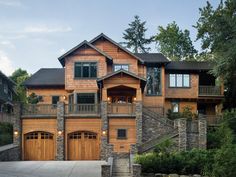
{"x": 135, "y": 36}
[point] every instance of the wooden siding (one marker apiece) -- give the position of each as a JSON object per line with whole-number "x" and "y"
{"x": 191, "y": 92}
{"x": 82, "y": 124}
{"x": 119, "y": 56}
{"x": 124, "y": 123}
{"x": 47, "y": 94}
{"x": 182, "y": 105}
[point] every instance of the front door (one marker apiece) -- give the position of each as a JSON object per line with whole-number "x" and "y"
{"x": 83, "y": 145}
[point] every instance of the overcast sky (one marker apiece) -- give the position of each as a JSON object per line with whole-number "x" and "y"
{"x": 34, "y": 33}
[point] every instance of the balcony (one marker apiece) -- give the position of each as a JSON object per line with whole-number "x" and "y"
{"x": 210, "y": 91}
{"x": 121, "y": 109}
{"x": 83, "y": 109}
{"x": 39, "y": 110}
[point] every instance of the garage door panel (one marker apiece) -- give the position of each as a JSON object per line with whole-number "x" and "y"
{"x": 39, "y": 146}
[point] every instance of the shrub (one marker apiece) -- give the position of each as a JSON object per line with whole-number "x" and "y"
{"x": 6, "y": 134}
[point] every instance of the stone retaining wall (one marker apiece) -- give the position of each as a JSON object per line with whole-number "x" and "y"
{"x": 168, "y": 175}
{"x": 9, "y": 153}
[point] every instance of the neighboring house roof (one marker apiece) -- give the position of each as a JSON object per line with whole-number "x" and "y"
{"x": 190, "y": 65}
{"x": 62, "y": 58}
{"x": 115, "y": 43}
{"x": 121, "y": 71}
{"x": 47, "y": 77}
{"x": 2, "y": 75}
{"x": 152, "y": 57}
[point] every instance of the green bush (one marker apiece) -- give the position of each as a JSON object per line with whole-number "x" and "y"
{"x": 187, "y": 113}
{"x": 6, "y": 134}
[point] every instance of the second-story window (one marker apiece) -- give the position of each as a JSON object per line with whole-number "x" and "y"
{"x": 55, "y": 99}
{"x": 121, "y": 66}
{"x": 179, "y": 80}
{"x": 85, "y": 70}
{"x": 153, "y": 81}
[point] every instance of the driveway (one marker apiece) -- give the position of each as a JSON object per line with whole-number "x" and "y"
{"x": 51, "y": 169}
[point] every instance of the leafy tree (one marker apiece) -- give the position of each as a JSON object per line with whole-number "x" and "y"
{"x": 135, "y": 36}
{"x": 33, "y": 98}
{"x": 175, "y": 43}
{"x": 19, "y": 76}
{"x": 217, "y": 32}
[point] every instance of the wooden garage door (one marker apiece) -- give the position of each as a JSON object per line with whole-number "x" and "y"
{"x": 39, "y": 146}
{"x": 83, "y": 145}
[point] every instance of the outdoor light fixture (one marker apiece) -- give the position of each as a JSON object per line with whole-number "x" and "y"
{"x": 104, "y": 132}
{"x": 59, "y": 132}
{"x": 108, "y": 98}
{"x": 15, "y": 132}
{"x": 64, "y": 97}
{"x": 135, "y": 98}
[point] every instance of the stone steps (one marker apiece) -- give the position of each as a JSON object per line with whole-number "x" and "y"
{"x": 121, "y": 166}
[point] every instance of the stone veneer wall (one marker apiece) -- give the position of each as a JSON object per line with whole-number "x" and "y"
{"x": 9, "y": 153}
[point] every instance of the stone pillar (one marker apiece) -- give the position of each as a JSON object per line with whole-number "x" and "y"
{"x": 17, "y": 128}
{"x": 202, "y": 133}
{"x": 136, "y": 170}
{"x": 60, "y": 155}
{"x": 106, "y": 170}
{"x": 104, "y": 139}
{"x": 139, "y": 123}
{"x": 182, "y": 129}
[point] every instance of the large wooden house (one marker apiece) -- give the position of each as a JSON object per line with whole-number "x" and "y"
{"x": 97, "y": 102}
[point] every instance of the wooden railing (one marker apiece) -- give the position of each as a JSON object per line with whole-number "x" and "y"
{"x": 210, "y": 90}
{"x": 82, "y": 109}
{"x": 213, "y": 120}
{"x": 121, "y": 108}
{"x": 39, "y": 109}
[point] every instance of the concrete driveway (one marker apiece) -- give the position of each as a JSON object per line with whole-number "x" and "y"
{"x": 51, "y": 169}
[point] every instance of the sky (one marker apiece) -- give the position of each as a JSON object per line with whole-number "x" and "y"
{"x": 34, "y": 33}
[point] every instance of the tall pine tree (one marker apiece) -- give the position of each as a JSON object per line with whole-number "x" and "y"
{"x": 135, "y": 36}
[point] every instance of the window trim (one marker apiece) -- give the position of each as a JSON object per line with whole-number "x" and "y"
{"x": 122, "y": 138}
{"x": 183, "y": 87}
{"x": 113, "y": 68}
{"x": 85, "y": 78}
{"x": 95, "y": 97}
{"x": 146, "y": 94}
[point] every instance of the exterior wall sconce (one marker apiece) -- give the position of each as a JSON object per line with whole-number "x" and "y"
{"x": 64, "y": 97}
{"x": 104, "y": 133}
{"x": 59, "y": 132}
{"x": 108, "y": 98}
{"x": 16, "y": 132}
{"x": 135, "y": 98}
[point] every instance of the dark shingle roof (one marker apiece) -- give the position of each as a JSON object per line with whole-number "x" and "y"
{"x": 2, "y": 75}
{"x": 62, "y": 58}
{"x": 152, "y": 57}
{"x": 190, "y": 65}
{"x": 47, "y": 77}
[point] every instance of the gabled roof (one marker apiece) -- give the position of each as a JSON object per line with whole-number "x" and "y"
{"x": 190, "y": 65}
{"x": 121, "y": 71}
{"x": 47, "y": 77}
{"x": 115, "y": 43}
{"x": 2, "y": 75}
{"x": 152, "y": 57}
{"x": 62, "y": 58}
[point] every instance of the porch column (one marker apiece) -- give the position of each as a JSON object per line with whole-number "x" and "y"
{"x": 138, "y": 94}
{"x": 106, "y": 149}
{"x": 17, "y": 128}
{"x": 139, "y": 122}
{"x": 104, "y": 94}
{"x": 60, "y": 141}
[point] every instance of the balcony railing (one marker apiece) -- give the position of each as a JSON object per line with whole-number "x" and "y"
{"x": 82, "y": 109}
{"x": 121, "y": 108}
{"x": 213, "y": 120}
{"x": 39, "y": 109}
{"x": 210, "y": 91}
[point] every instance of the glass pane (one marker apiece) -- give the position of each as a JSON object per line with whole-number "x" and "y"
{"x": 121, "y": 133}
{"x": 85, "y": 69}
{"x": 55, "y": 99}
{"x": 78, "y": 69}
{"x": 172, "y": 80}
{"x": 125, "y": 67}
{"x": 186, "y": 80}
{"x": 85, "y": 98}
{"x": 93, "y": 70}
{"x": 117, "y": 67}
{"x": 179, "y": 80}
{"x": 153, "y": 81}
{"x": 175, "y": 107}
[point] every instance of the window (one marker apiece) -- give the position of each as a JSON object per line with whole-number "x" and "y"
{"x": 5, "y": 88}
{"x": 179, "y": 80}
{"x": 121, "y": 134}
{"x": 175, "y": 106}
{"x": 55, "y": 99}
{"x": 85, "y": 98}
{"x": 153, "y": 81}
{"x": 121, "y": 66}
{"x": 85, "y": 70}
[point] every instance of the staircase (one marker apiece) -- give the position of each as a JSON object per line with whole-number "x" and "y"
{"x": 169, "y": 134}
{"x": 121, "y": 165}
